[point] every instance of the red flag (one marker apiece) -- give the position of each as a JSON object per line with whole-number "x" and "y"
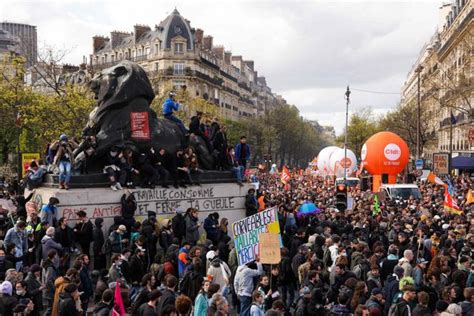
{"x": 285, "y": 175}
{"x": 119, "y": 309}
{"x": 450, "y": 205}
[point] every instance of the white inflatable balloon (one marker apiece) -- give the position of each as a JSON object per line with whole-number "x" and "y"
{"x": 337, "y": 163}
{"x": 324, "y": 166}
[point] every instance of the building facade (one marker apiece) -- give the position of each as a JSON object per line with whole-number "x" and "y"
{"x": 175, "y": 52}
{"x": 444, "y": 72}
{"x": 28, "y": 40}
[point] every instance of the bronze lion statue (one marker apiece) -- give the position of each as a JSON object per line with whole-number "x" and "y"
{"x": 123, "y": 117}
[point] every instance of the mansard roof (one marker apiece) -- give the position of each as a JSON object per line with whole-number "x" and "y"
{"x": 175, "y": 25}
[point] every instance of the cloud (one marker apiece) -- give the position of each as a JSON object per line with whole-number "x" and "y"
{"x": 308, "y": 50}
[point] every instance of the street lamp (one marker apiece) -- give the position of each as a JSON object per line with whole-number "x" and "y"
{"x": 347, "y": 97}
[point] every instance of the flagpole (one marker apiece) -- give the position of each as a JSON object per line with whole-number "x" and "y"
{"x": 450, "y": 143}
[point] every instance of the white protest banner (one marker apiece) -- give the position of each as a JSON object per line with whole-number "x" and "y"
{"x": 247, "y": 233}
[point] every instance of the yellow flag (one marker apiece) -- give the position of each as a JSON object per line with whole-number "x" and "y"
{"x": 469, "y": 197}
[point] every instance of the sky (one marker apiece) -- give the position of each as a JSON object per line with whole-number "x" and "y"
{"x": 309, "y": 51}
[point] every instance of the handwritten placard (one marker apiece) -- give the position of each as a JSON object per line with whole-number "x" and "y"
{"x": 247, "y": 233}
{"x": 270, "y": 248}
{"x": 139, "y": 125}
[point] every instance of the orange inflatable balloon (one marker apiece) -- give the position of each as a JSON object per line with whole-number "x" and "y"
{"x": 384, "y": 153}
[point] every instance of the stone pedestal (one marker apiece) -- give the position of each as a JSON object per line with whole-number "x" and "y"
{"x": 228, "y": 199}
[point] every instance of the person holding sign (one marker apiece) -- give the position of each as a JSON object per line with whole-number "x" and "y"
{"x": 243, "y": 284}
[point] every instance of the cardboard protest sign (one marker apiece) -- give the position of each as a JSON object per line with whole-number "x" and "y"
{"x": 247, "y": 233}
{"x": 270, "y": 248}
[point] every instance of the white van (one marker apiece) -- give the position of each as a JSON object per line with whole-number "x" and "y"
{"x": 400, "y": 191}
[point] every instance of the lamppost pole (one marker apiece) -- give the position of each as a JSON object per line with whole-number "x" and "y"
{"x": 347, "y": 96}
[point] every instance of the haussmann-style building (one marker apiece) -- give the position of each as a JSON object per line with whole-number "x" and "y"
{"x": 175, "y": 52}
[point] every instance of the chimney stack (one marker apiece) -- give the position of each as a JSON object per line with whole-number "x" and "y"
{"x": 98, "y": 42}
{"x": 228, "y": 57}
{"x": 139, "y": 30}
{"x": 116, "y": 37}
{"x": 198, "y": 36}
{"x": 207, "y": 43}
{"x": 219, "y": 51}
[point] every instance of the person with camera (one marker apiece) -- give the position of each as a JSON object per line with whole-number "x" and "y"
{"x": 169, "y": 107}
{"x": 63, "y": 159}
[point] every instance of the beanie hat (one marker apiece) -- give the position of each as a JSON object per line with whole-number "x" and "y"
{"x": 6, "y": 288}
{"x": 35, "y": 268}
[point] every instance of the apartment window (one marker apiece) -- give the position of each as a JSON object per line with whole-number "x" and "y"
{"x": 178, "y": 84}
{"x": 178, "y": 48}
{"x": 157, "y": 48}
{"x": 178, "y": 69}
{"x": 120, "y": 56}
{"x": 157, "y": 66}
{"x": 139, "y": 52}
{"x": 147, "y": 51}
{"x": 112, "y": 58}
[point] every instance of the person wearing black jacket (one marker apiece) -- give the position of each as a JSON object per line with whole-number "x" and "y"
{"x": 137, "y": 266}
{"x": 104, "y": 307}
{"x": 67, "y": 301}
{"x": 250, "y": 203}
{"x": 151, "y": 308}
{"x": 195, "y": 128}
{"x": 20, "y": 203}
{"x": 148, "y": 285}
{"x": 220, "y": 144}
{"x": 149, "y": 175}
{"x": 35, "y": 289}
{"x": 97, "y": 246}
{"x": 169, "y": 294}
{"x": 159, "y": 160}
{"x": 129, "y": 206}
{"x": 116, "y": 175}
{"x": 83, "y": 232}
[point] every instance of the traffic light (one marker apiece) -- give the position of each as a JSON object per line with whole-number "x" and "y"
{"x": 341, "y": 197}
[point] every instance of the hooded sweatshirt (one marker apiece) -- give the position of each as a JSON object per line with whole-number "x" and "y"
{"x": 48, "y": 244}
{"x": 243, "y": 282}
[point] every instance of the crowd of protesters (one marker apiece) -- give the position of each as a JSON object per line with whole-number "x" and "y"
{"x": 412, "y": 258}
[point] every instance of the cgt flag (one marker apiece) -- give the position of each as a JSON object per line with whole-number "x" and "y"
{"x": 450, "y": 205}
{"x": 285, "y": 175}
{"x": 433, "y": 178}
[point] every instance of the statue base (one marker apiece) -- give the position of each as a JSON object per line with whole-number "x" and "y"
{"x": 227, "y": 199}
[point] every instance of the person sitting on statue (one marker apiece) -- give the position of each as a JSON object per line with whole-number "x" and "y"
{"x": 35, "y": 174}
{"x": 192, "y": 164}
{"x": 196, "y": 128}
{"x": 149, "y": 176}
{"x": 233, "y": 164}
{"x": 179, "y": 171}
{"x": 159, "y": 160}
{"x": 116, "y": 175}
{"x": 63, "y": 159}
{"x": 127, "y": 164}
{"x": 169, "y": 106}
{"x": 84, "y": 152}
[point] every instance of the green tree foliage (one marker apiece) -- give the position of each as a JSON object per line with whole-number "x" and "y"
{"x": 402, "y": 121}
{"x": 283, "y": 133}
{"x": 40, "y": 117}
{"x": 362, "y": 125}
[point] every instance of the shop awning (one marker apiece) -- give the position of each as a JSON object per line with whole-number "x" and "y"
{"x": 461, "y": 162}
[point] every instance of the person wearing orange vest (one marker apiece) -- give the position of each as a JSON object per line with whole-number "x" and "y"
{"x": 261, "y": 203}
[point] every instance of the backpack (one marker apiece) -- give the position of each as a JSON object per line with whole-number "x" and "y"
{"x": 107, "y": 247}
{"x": 394, "y": 310}
{"x": 178, "y": 225}
{"x": 361, "y": 269}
